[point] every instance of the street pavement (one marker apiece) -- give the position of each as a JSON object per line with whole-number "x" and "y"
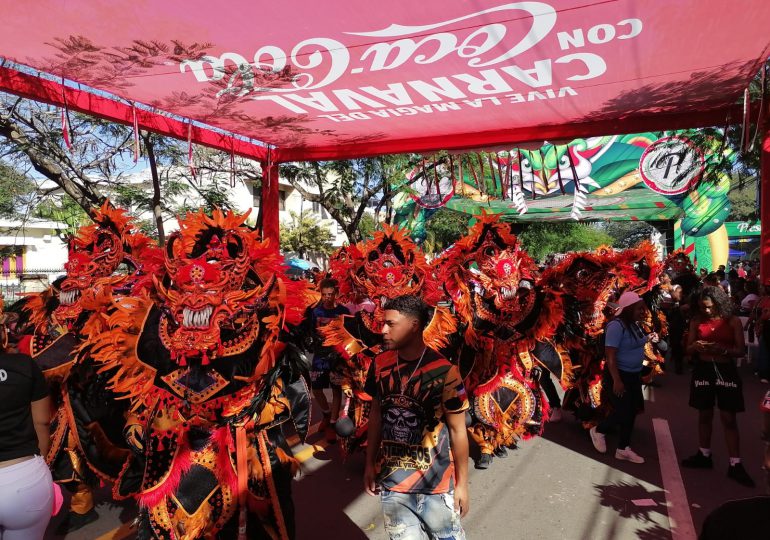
{"x": 553, "y": 487}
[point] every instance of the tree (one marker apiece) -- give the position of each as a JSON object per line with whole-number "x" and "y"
{"x": 444, "y": 228}
{"x": 627, "y": 234}
{"x": 367, "y": 226}
{"x": 63, "y": 210}
{"x": 94, "y": 165}
{"x": 543, "y": 239}
{"x": 347, "y": 188}
{"x": 743, "y": 199}
{"x": 15, "y": 191}
{"x": 305, "y": 235}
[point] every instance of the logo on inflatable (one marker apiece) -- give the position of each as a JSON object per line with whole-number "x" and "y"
{"x": 671, "y": 166}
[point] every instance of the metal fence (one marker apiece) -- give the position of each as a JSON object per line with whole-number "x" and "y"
{"x": 14, "y": 284}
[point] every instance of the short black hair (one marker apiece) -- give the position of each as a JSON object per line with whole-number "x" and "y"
{"x": 410, "y": 305}
{"x": 329, "y": 283}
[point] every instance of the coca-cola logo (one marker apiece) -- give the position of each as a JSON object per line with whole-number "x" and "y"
{"x": 315, "y": 63}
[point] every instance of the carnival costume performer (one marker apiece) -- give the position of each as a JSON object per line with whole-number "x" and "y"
{"x": 108, "y": 257}
{"x": 210, "y": 382}
{"x": 588, "y": 281}
{"x": 341, "y": 263}
{"x": 641, "y": 270}
{"x": 506, "y": 323}
{"x": 386, "y": 266}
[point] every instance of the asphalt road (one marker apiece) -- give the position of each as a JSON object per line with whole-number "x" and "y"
{"x": 554, "y": 487}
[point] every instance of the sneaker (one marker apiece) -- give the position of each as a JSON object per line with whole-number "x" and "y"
{"x": 738, "y": 473}
{"x": 72, "y": 522}
{"x": 556, "y": 415}
{"x": 626, "y": 454}
{"x": 484, "y": 461}
{"x": 698, "y": 461}
{"x": 599, "y": 440}
{"x": 501, "y": 452}
{"x": 330, "y": 433}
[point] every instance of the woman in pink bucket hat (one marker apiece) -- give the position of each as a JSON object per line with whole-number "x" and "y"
{"x": 624, "y": 343}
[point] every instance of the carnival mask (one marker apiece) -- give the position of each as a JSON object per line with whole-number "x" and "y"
{"x": 389, "y": 269}
{"x": 212, "y": 296}
{"x": 678, "y": 264}
{"x": 501, "y": 278}
{"x": 96, "y": 252}
{"x": 591, "y": 281}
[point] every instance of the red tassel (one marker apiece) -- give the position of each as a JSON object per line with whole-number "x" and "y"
{"x": 65, "y": 128}
{"x": 206, "y": 361}
{"x": 745, "y": 128}
{"x": 137, "y": 148}
{"x": 436, "y": 178}
{"x": 503, "y": 185}
{"x": 161, "y": 448}
{"x": 183, "y": 361}
{"x": 65, "y": 124}
{"x": 190, "y": 156}
{"x": 232, "y": 168}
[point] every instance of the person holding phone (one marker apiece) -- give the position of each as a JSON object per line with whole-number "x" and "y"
{"x": 715, "y": 340}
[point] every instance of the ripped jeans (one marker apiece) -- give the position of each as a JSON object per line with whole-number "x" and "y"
{"x": 416, "y": 516}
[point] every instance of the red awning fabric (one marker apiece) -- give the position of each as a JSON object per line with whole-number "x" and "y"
{"x": 328, "y": 80}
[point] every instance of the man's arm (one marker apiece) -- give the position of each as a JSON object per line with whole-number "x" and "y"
{"x": 458, "y": 436}
{"x": 374, "y": 438}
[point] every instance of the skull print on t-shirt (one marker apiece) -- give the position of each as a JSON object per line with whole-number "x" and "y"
{"x": 414, "y": 455}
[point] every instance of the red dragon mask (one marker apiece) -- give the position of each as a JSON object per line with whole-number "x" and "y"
{"x": 392, "y": 266}
{"x": 490, "y": 278}
{"x": 588, "y": 280}
{"x": 214, "y": 287}
{"x": 109, "y": 247}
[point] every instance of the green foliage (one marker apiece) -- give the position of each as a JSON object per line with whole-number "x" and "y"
{"x": 64, "y": 210}
{"x": 627, "y": 234}
{"x": 367, "y": 226}
{"x": 15, "y": 188}
{"x": 543, "y": 239}
{"x": 743, "y": 200}
{"x": 305, "y": 235}
{"x": 444, "y": 228}
{"x": 346, "y": 188}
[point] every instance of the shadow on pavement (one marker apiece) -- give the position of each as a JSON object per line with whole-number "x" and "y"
{"x": 631, "y": 500}
{"x": 322, "y": 495}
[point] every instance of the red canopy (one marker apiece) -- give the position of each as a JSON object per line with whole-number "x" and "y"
{"x": 318, "y": 80}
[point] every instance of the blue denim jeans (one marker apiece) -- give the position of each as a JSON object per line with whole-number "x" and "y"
{"x": 414, "y": 516}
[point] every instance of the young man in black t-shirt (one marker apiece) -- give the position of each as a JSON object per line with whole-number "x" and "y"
{"x": 417, "y": 454}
